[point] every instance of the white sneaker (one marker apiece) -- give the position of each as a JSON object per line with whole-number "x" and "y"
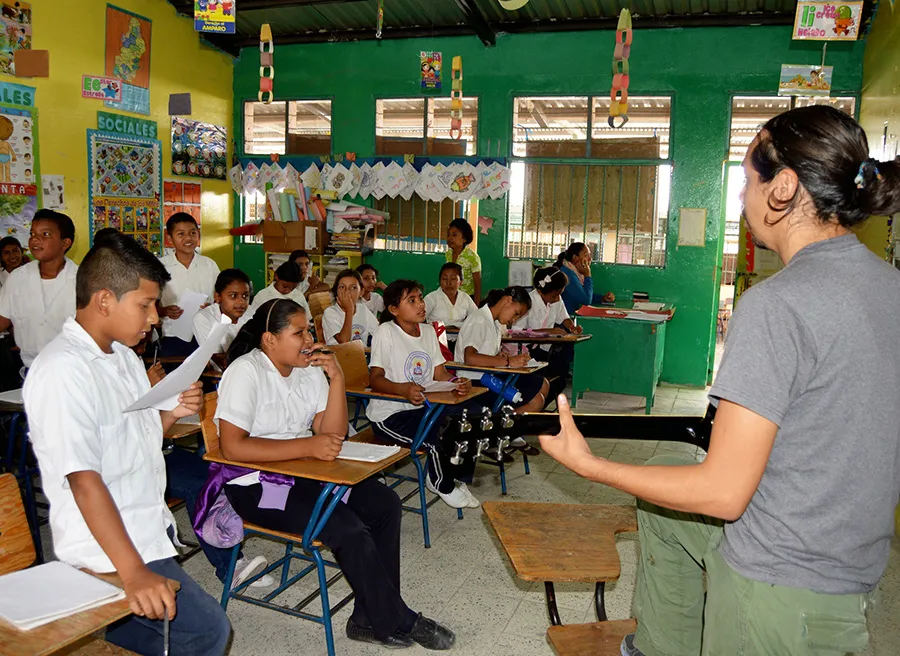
{"x": 518, "y": 442}
{"x": 473, "y": 502}
{"x": 244, "y": 569}
{"x": 456, "y": 499}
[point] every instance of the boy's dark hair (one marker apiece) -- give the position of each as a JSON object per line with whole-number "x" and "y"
{"x": 517, "y": 293}
{"x": 62, "y": 222}
{"x": 288, "y": 272}
{"x": 464, "y": 228}
{"x": 451, "y": 266}
{"x": 346, "y": 273}
{"x": 298, "y": 253}
{"x": 362, "y": 268}
{"x": 10, "y": 241}
{"x": 102, "y": 234}
{"x": 229, "y": 276}
{"x": 179, "y": 217}
{"x": 550, "y": 279}
{"x": 118, "y": 264}
{"x": 271, "y": 317}
{"x": 394, "y": 294}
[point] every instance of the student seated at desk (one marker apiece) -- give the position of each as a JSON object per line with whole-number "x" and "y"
{"x": 446, "y": 304}
{"x": 575, "y": 262}
{"x": 102, "y": 468}
{"x": 39, "y": 296}
{"x": 275, "y": 403}
{"x": 11, "y": 257}
{"x": 348, "y": 319}
{"x": 285, "y": 286}
{"x": 189, "y": 271}
{"x": 309, "y": 281}
{"x": 369, "y": 276}
{"x": 232, "y": 296}
{"x": 548, "y": 315}
{"x": 479, "y": 344}
{"x": 406, "y": 358}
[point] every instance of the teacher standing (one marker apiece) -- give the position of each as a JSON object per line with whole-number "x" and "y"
{"x": 575, "y": 262}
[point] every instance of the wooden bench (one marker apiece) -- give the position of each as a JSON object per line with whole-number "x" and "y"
{"x": 595, "y": 639}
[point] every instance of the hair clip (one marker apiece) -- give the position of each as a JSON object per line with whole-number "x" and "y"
{"x": 860, "y": 178}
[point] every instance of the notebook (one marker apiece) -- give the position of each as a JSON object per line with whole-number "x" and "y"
{"x": 39, "y": 595}
{"x": 365, "y": 452}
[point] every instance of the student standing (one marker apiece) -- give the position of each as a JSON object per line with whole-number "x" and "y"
{"x": 406, "y": 358}
{"x": 275, "y": 403}
{"x": 11, "y": 257}
{"x": 285, "y": 286}
{"x": 189, "y": 271}
{"x": 446, "y": 304}
{"x": 369, "y": 276}
{"x": 102, "y": 468}
{"x": 348, "y": 319}
{"x": 459, "y": 236}
{"x": 39, "y": 296}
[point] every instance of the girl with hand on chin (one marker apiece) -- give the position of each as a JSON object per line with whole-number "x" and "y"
{"x": 575, "y": 262}
{"x": 348, "y": 319}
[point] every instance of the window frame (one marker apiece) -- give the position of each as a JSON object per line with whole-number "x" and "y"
{"x": 287, "y": 117}
{"x": 424, "y": 150}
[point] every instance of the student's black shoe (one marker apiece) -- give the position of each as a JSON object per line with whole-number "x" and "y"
{"x": 396, "y": 640}
{"x": 431, "y": 635}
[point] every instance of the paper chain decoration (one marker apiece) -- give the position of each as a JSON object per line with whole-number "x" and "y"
{"x": 380, "y": 23}
{"x": 618, "y": 96}
{"x": 456, "y": 103}
{"x": 266, "y": 61}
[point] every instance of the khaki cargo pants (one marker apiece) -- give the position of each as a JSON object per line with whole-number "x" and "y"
{"x": 742, "y": 617}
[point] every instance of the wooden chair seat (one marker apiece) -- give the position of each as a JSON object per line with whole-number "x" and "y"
{"x": 174, "y": 503}
{"x": 595, "y": 639}
{"x": 561, "y": 542}
{"x": 94, "y": 646}
{"x": 290, "y": 537}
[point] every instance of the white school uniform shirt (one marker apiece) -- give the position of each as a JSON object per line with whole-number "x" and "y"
{"x": 304, "y": 285}
{"x": 405, "y": 359}
{"x": 364, "y": 323}
{"x": 207, "y": 319}
{"x": 199, "y": 277}
{"x": 483, "y": 332}
{"x": 254, "y": 396}
{"x": 375, "y": 304}
{"x": 439, "y": 308}
{"x": 270, "y": 292}
{"x": 4, "y": 274}
{"x": 541, "y": 315}
{"x": 37, "y": 308}
{"x": 75, "y": 395}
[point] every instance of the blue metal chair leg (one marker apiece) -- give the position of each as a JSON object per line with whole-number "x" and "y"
{"x": 326, "y": 604}
{"x": 502, "y": 468}
{"x": 423, "y": 502}
{"x": 229, "y": 575}
{"x": 525, "y": 462}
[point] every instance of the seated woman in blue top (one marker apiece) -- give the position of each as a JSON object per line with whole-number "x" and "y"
{"x": 575, "y": 262}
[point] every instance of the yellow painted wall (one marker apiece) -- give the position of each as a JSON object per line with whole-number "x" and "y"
{"x": 74, "y": 33}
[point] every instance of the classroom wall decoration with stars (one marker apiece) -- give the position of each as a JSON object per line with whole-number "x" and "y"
{"x": 126, "y": 186}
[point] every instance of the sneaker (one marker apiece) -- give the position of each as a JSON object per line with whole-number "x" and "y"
{"x": 523, "y": 446}
{"x": 628, "y": 648}
{"x": 456, "y": 499}
{"x": 432, "y": 635}
{"x": 396, "y": 640}
{"x": 473, "y": 502}
{"x": 244, "y": 569}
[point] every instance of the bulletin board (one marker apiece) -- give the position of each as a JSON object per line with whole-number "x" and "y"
{"x": 19, "y": 170}
{"x": 126, "y": 186}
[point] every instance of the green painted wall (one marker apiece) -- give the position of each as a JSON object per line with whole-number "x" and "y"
{"x": 700, "y": 68}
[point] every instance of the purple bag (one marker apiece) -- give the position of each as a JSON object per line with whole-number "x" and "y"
{"x": 223, "y": 527}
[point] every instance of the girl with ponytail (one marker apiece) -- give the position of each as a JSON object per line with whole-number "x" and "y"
{"x": 575, "y": 263}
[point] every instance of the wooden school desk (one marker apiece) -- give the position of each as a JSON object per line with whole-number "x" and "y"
{"x": 546, "y": 339}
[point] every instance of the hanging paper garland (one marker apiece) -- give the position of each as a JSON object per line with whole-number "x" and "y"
{"x": 456, "y": 103}
{"x": 618, "y": 96}
{"x": 380, "y": 24}
{"x": 266, "y": 61}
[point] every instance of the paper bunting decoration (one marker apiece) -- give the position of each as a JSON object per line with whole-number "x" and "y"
{"x": 355, "y": 179}
{"x": 266, "y": 65}
{"x": 618, "y": 96}
{"x": 367, "y": 180}
{"x": 236, "y": 177}
{"x": 456, "y": 103}
{"x": 251, "y": 175}
{"x": 311, "y": 177}
{"x": 392, "y": 179}
{"x": 412, "y": 180}
{"x": 338, "y": 180}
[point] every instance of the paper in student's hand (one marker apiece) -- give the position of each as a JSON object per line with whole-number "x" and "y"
{"x": 183, "y": 326}
{"x": 164, "y": 395}
{"x": 440, "y": 386}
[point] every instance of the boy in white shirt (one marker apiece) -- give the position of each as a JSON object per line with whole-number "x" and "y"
{"x": 102, "y": 468}
{"x": 232, "y": 297}
{"x": 309, "y": 281}
{"x": 286, "y": 285}
{"x": 39, "y": 296}
{"x": 370, "y": 282}
{"x": 189, "y": 271}
{"x": 348, "y": 319}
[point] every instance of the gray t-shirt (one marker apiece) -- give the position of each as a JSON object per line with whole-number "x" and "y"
{"x": 816, "y": 350}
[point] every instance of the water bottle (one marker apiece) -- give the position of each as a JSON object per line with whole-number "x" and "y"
{"x": 510, "y": 394}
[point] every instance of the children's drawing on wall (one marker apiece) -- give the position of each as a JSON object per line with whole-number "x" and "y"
{"x": 53, "y": 191}
{"x": 128, "y": 58}
{"x": 430, "y": 65}
{"x": 198, "y": 149}
{"x": 805, "y": 80}
{"x": 15, "y": 20}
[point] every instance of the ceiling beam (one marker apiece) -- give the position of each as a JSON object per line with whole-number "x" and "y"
{"x": 477, "y": 22}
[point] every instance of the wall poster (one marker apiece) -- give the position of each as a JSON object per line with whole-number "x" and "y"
{"x": 128, "y": 58}
{"x": 19, "y": 171}
{"x": 199, "y": 149}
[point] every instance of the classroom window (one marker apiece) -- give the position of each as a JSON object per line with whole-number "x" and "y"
{"x": 417, "y": 225}
{"x": 421, "y": 126}
{"x": 294, "y": 127}
{"x": 558, "y": 127}
{"x": 619, "y": 211}
{"x": 253, "y": 208}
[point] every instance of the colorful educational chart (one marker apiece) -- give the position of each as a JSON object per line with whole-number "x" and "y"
{"x": 18, "y": 171}
{"x": 180, "y": 196}
{"x": 128, "y": 58}
{"x": 213, "y": 16}
{"x": 101, "y": 88}
{"x": 125, "y": 186}
{"x": 430, "y": 66}
{"x": 15, "y": 19}
{"x": 199, "y": 149}
{"x": 805, "y": 80}
{"x": 827, "y": 21}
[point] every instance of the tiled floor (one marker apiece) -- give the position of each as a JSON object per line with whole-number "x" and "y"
{"x": 466, "y": 582}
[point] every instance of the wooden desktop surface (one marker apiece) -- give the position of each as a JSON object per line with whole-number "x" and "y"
{"x": 494, "y": 370}
{"x": 439, "y": 398}
{"x": 546, "y": 339}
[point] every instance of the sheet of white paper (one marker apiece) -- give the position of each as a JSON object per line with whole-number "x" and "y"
{"x": 164, "y": 395}
{"x": 53, "y": 187}
{"x": 646, "y": 305}
{"x": 691, "y": 227}
{"x": 340, "y": 226}
{"x": 12, "y": 396}
{"x": 183, "y": 326}
{"x": 366, "y": 452}
{"x": 311, "y": 237}
{"x": 440, "y": 386}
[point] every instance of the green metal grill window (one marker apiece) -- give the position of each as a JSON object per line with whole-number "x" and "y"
{"x": 416, "y": 225}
